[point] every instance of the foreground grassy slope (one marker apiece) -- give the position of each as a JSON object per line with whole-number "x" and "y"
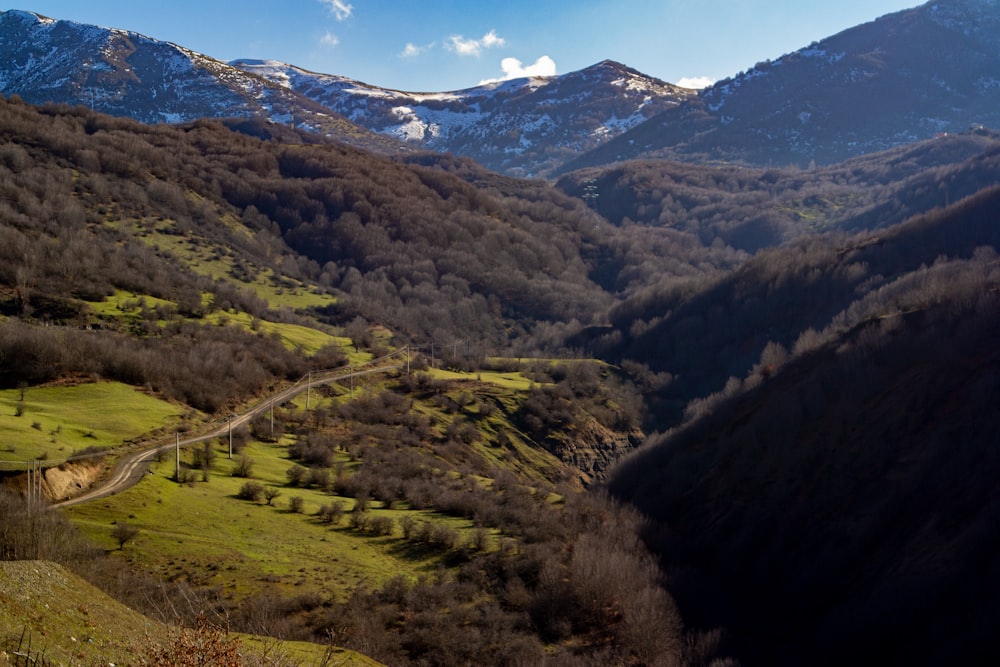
{"x": 73, "y": 622}
{"x": 52, "y": 615}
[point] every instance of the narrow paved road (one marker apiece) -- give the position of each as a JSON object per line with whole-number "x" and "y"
{"x": 132, "y": 468}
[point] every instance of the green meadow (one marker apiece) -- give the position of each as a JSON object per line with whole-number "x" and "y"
{"x": 52, "y": 422}
{"x": 203, "y": 533}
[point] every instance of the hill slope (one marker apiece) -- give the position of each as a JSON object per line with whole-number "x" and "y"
{"x": 50, "y": 614}
{"x": 67, "y": 618}
{"x": 755, "y": 208}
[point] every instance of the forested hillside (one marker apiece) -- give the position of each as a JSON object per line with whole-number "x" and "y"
{"x": 165, "y": 258}
{"x": 754, "y": 208}
{"x": 810, "y": 267}
{"x": 834, "y": 503}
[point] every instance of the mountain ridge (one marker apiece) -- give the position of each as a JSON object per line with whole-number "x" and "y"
{"x": 522, "y": 127}
{"x": 903, "y": 77}
{"x": 125, "y": 73}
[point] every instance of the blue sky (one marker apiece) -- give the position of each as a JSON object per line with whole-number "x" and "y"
{"x": 420, "y": 45}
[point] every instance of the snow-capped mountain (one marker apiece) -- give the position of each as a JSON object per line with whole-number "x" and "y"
{"x": 124, "y": 73}
{"x": 906, "y": 76}
{"x": 525, "y": 126}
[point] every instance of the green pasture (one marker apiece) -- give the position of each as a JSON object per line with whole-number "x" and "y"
{"x": 127, "y": 307}
{"x": 292, "y": 336}
{"x": 201, "y": 532}
{"x": 508, "y": 380}
{"x": 58, "y": 420}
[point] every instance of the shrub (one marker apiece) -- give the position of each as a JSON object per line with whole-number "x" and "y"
{"x": 332, "y": 513}
{"x": 124, "y": 532}
{"x": 251, "y": 491}
{"x": 382, "y": 525}
{"x": 244, "y": 467}
{"x": 270, "y": 493}
{"x": 296, "y": 475}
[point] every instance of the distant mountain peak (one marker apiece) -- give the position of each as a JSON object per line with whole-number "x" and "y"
{"x": 525, "y": 126}
{"x": 903, "y": 77}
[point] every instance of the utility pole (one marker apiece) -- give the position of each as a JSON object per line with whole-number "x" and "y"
{"x": 309, "y": 389}
{"x": 29, "y": 470}
{"x": 272, "y": 418}
{"x": 230, "y": 435}
{"x": 177, "y": 451}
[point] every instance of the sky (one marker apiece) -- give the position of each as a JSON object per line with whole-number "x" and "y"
{"x": 445, "y": 45}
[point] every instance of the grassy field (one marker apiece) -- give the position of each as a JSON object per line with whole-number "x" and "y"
{"x": 511, "y": 380}
{"x": 131, "y": 308}
{"x": 218, "y": 262}
{"x": 204, "y": 534}
{"x": 53, "y": 422}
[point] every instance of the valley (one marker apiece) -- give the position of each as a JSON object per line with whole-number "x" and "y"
{"x": 341, "y": 382}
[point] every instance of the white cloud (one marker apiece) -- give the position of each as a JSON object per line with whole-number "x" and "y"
{"x": 491, "y": 39}
{"x": 411, "y": 50}
{"x": 340, "y": 9}
{"x": 515, "y": 69}
{"x": 329, "y": 40}
{"x": 696, "y": 82}
{"x": 474, "y": 47}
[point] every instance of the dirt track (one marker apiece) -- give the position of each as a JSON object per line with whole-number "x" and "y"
{"x": 132, "y": 468}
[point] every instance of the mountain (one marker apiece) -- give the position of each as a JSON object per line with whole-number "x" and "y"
{"x": 907, "y": 76}
{"x": 704, "y": 330}
{"x": 126, "y": 74}
{"x": 526, "y": 126}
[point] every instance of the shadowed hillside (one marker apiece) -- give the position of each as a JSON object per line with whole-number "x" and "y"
{"x": 836, "y": 504}
{"x": 704, "y": 335}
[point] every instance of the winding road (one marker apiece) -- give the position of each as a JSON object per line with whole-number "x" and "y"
{"x": 132, "y": 468}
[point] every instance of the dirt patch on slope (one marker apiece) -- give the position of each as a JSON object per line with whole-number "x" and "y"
{"x": 70, "y": 479}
